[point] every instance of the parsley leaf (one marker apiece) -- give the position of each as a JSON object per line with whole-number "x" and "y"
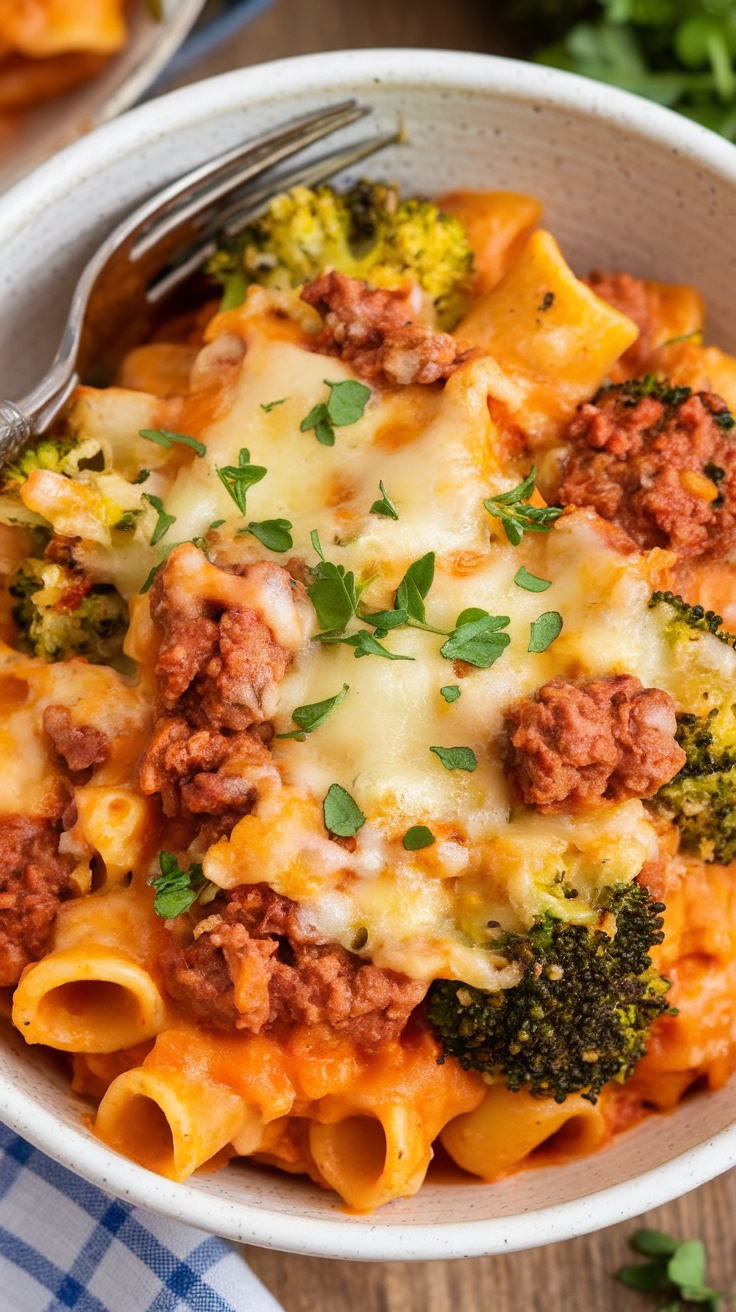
{"x": 271, "y": 405}
{"x": 216, "y": 523}
{"x": 478, "y": 641}
{"x": 311, "y": 717}
{"x": 163, "y": 437}
{"x": 342, "y": 813}
{"x": 456, "y": 758}
{"x": 273, "y": 533}
{"x": 653, "y": 1243}
{"x": 347, "y": 402}
{"x": 516, "y": 515}
{"x": 364, "y": 643}
{"x": 417, "y": 837}
{"x": 334, "y": 596}
{"x": 164, "y": 521}
{"x": 545, "y": 630}
{"x": 142, "y": 475}
{"x": 450, "y": 692}
{"x": 414, "y": 587}
{"x": 385, "y": 506}
{"x": 677, "y": 1269}
{"x": 386, "y": 619}
{"x": 318, "y": 419}
{"x": 530, "y": 582}
{"x": 176, "y": 889}
{"x": 345, "y": 406}
{"x": 238, "y": 478}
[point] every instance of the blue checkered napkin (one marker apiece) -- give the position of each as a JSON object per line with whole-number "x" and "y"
{"x": 65, "y": 1244}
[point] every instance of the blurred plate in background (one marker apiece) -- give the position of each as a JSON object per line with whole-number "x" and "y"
{"x": 124, "y": 80}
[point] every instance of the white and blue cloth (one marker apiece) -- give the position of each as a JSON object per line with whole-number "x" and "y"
{"x": 64, "y": 1244}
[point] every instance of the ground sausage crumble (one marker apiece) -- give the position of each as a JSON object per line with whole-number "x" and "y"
{"x": 606, "y": 741}
{"x": 661, "y": 466}
{"x": 256, "y": 965}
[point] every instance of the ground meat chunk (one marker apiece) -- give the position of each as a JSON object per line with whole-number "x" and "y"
{"x": 254, "y": 965}
{"x": 661, "y": 466}
{"x": 575, "y": 745}
{"x": 212, "y": 773}
{"x": 629, "y": 296}
{"x": 218, "y": 670}
{"x": 34, "y": 879}
{"x": 379, "y": 332}
{"x": 80, "y": 745}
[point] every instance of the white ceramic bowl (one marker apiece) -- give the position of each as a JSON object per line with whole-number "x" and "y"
{"x": 625, "y": 185}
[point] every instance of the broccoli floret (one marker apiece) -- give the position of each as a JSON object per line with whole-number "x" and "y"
{"x": 701, "y": 799}
{"x": 60, "y": 614}
{"x": 580, "y": 1014}
{"x": 49, "y": 453}
{"x": 695, "y": 617}
{"x": 365, "y": 233}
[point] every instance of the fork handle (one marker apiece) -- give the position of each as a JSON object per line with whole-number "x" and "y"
{"x": 15, "y": 429}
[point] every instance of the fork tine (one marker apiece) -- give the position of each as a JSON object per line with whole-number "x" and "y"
{"x": 203, "y": 187}
{"x": 239, "y": 213}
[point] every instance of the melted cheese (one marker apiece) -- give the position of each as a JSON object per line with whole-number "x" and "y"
{"x": 438, "y": 454}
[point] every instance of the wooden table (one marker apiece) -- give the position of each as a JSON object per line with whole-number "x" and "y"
{"x": 570, "y": 1277}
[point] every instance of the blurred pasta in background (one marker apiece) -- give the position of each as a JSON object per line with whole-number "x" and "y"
{"x": 47, "y": 47}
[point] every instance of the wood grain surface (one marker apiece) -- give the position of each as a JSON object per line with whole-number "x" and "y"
{"x": 569, "y": 1277}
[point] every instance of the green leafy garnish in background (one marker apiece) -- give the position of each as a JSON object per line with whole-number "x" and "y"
{"x": 679, "y": 53}
{"x": 675, "y": 1270}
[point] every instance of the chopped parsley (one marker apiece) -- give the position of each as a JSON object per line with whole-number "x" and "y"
{"x": 450, "y": 692}
{"x": 176, "y": 889}
{"x": 273, "y": 533}
{"x": 333, "y": 593}
{"x": 515, "y": 513}
{"x": 456, "y": 758}
{"x": 142, "y": 475}
{"x": 311, "y": 717}
{"x": 342, "y": 814}
{"x": 364, "y": 643}
{"x": 238, "y": 478}
{"x": 163, "y": 437}
{"x": 271, "y": 405}
{"x": 417, "y": 837}
{"x": 164, "y": 521}
{"x": 530, "y": 582}
{"x": 216, "y": 523}
{"x": 545, "y": 630}
{"x": 345, "y": 406}
{"x": 385, "y": 506}
{"x": 477, "y": 641}
{"x": 676, "y": 1270}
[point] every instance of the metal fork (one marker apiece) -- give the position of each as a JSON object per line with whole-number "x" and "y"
{"x": 162, "y": 243}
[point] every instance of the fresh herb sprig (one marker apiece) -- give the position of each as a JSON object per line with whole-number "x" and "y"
{"x": 164, "y": 521}
{"x": 164, "y": 437}
{"x": 176, "y": 889}
{"x": 345, "y": 406}
{"x": 517, "y": 516}
{"x": 237, "y": 479}
{"x": 678, "y": 53}
{"x": 675, "y": 1269}
{"x": 312, "y": 716}
{"x": 273, "y": 533}
{"x": 384, "y": 506}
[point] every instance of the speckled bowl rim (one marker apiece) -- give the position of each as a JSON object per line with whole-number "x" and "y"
{"x": 337, "y": 1235}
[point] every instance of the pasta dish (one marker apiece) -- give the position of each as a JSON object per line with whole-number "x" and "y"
{"x": 48, "y": 47}
{"x": 367, "y": 706}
